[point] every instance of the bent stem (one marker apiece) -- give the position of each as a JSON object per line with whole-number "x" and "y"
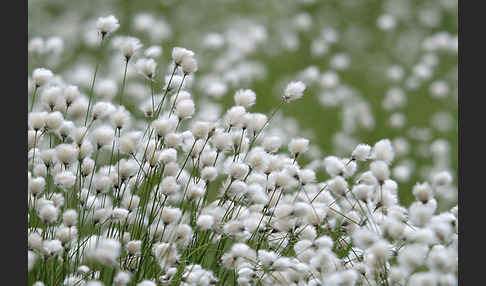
{"x": 33, "y": 97}
{"x": 159, "y": 108}
{"x": 123, "y": 82}
{"x": 152, "y": 96}
{"x": 35, "y": 145}
{"x": 264, "y": 125}
{"x": 177, "y": 95}
{"x": 93, "y": 82}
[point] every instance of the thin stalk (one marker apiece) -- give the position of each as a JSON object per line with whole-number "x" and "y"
{"x": 33, "y": 97}
{"x": 92, "y": 172}
{"x": 35, "y": 145}
{"x": 159, "y": 108}
{"x": 90, "y": 95}
{"x": 177, "y": 95}
{"x": 123, "y": 82}
{"x": 185, "y": 161}
{"x": 152, "y": 96}
{"x": 264, "y": 125}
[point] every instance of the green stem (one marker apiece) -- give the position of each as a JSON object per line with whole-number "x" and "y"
{"x": 159, "y": 108}
{"x": 123, "y": 83}
{"x": 93, "y": 82}
{"x": 33, "y": 97}
{"x": 177, "y": 95}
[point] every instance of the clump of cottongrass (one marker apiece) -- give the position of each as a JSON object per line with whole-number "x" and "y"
{"x": 182, "y": 199}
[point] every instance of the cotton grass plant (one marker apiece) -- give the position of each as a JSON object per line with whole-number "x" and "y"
{"x": 161, "y": 193}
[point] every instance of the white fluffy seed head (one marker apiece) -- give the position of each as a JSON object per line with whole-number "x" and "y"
{"x": 257, "y": 160}
{"x": 50, "y": 96}
{"x": 170, "y": 215}
{"x": 245, "y": 97}
{"x": 361, "y": 152}
{"x": 173, "y": 140}
{"x": 69, "y": 217}
{"x": 381, "y": 250}
{"x": 36, "y": 185}
{"x": 205, "y": 222}
{"x": 238, "y": 170}
{"x": 34, "y": 241}
{"x": 367, "y": 178}
{"x": 107, "y": 25}
{"x": 66, "y": 129}
{"x": 422, "y": 192}
{"x": 271, "y": 144}
{"x": 54, "y": 120}
{"x": 102, "y": 109}
{"x": 66, "y": 153}
{"x": 363, "y": 192}
{"x": 201, "y": 129}
{"x": 257, "y": 122}
{"x": 383, "y": 151}
{"x": 128, "y": 169}
{"x": 164, "y": 126}
{"x": 338, "y": 186}
{"x": 298, "y": 146}
{"x": 442, "y": 179}
{"x": 85, "y": 149}
{"x": 189, "y": 65}
{"x": 103, "y": 250}
{"x": 37, "y": 120}
{"x": 48, "y": 213}
{"x": 71, "y": 92}
{"x": 36, "y": 46}
{"x": 179, "y": 53}
{"x": 221, "y": 141}
{"x": 168, "y": 155}
{"x": 102, "y": 136}
{"x": 65, "y": 180}
{"x": 334, "y": 166}
{"x": 52, "y": 247}
{"x": 306, "y": 176}
{"x": 209, "y": 173}
{"x": 134, "y": 247}
{"x": 169, "y": 185}
{"x": 129, "y": 46}
{"x": 41, "y": 76}
{"x": 380, "y": 170}
{"x": 120, "y": 117}
{"x": 185, "y": 108}
{"x": 234, "y": 115}
{"x": 83, "y": 269}
{"x": 79, "y": 107}
{"x": 293, "y": 91}
{"x": 101, "y": 183}
{"x": 66, "y": 234}
{"x": 420, "y": 213}
{"x": 49, "y": 157}
{"x": 146, "y": 67}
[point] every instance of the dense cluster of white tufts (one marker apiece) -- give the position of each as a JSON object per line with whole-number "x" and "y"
{"x": 139, "y": 175}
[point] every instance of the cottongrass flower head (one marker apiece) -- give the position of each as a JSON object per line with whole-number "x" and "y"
{"x": 146, "y": 67}
{"x": 107, "y": 25}
{"x": 129, "y": 46}
{"x": 179, "y": 54}
{"x": 293, "y": 91}
{"x": 41, "y": 76}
